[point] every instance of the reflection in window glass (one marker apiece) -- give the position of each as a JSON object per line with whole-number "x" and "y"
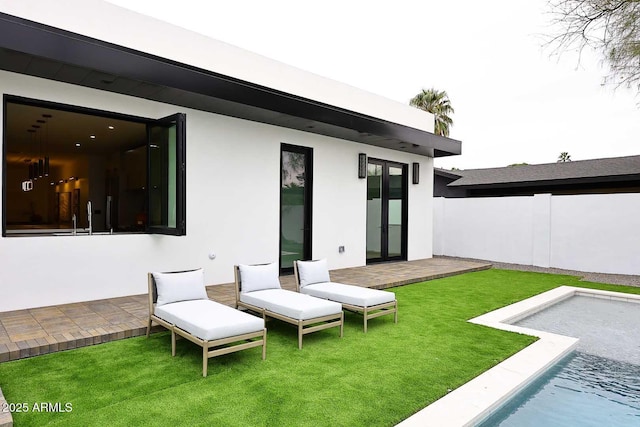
{"x": 396, "y": 192}
{"x": 292, "y": 209}
{"x": 374, "y": 211}
{"x": 162, "y": 195}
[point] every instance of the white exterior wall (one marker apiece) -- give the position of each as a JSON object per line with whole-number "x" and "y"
{"x": 595, "y": 232}
{"x": 486, "y": 228}
{"x": 233, "y": 196}
{"x": 599, "y": 232}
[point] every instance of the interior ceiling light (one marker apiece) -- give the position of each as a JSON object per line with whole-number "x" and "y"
{"x": 92, "y": 136}
{"x": 77, "y": 144}
{"x": 111, "y": 127}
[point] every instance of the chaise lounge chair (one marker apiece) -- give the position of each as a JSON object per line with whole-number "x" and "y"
{"x": 258, "y": 289}
{"x": 178, "y": 301}
{"x": 312, "y": 278}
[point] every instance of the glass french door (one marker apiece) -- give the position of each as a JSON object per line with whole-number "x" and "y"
{"x": 296, "y": 176}
{"x": 386, "y": 211}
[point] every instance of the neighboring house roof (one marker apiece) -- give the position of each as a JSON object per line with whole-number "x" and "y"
{"x": 133, "y": 54}
{"x": 575, "y": 172}
{"x": 452, "y": 174}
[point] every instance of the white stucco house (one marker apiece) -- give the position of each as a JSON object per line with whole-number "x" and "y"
{"x": 132, "y": 145}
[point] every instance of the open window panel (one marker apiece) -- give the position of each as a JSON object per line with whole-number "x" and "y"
{"x": 60, "y": 159}
{"x": 167, "y": 175}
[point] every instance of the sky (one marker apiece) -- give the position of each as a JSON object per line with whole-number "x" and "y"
{"x": 514, "y": 100}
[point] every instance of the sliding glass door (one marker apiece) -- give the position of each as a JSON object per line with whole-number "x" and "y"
{"x": 386, "y": 211}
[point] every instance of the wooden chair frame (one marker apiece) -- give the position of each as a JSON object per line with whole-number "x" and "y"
{"x": 211, "y": 348}
{"x": 304, "y": 326}
{"x": 367, "y": 312}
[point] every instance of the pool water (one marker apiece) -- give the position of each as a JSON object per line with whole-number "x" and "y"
{"x": 583, "y": 390}
{"x": 598, "y": 384}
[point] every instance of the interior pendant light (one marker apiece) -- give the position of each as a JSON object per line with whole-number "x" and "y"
{"x": 47, "y": 117}
{"x": 31, "y": 137}
{"x": 38, "y": 165}
{"x": 40, "y": 159}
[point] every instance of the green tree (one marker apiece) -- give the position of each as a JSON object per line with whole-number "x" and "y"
{"x": 564, "y": 157}
{"x": 437, "y": 103}
{"x": 611, "y": 27}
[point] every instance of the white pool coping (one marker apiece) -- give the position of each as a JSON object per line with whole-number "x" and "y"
{"x": 474, "y": 401}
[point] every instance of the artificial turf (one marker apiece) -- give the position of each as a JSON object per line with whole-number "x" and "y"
{"x": 373, "y": 379}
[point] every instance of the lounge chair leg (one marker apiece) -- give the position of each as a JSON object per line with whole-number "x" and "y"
{"x": 341, "y": 324}
{"x": 205, "y": 359}
{"x": 173, "y": 343}
{"x": 395, "y": 315}
{"x": 299, "y": 336}
{"x": 149, "y": 327}
{"x": 365, "y": 319}
{"x": 264, "y": 344}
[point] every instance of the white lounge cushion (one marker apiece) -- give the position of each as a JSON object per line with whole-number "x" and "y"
{"x": 349, "y": 294}
{"x": 291, "y": 304}
{"x": 209, "y": 320}
{"x": 310, "y": 272}
{"x": 259, "y": 277}
{"x": 181, "y": 286}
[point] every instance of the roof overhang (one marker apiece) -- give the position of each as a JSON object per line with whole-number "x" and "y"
{"x": 32, "y": 48}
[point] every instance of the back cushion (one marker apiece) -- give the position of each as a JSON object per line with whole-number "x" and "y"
{"x": 310, "y": 272}
{"x": 259, "y": 277}
{"x": 182, "y": 286}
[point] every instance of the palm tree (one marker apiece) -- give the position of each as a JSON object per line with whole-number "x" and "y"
{"x": 437, "y": 103}
{"x": 564, "y": 157}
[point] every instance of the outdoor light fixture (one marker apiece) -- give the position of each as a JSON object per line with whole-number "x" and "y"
{"x": 362, "y": 165}
{"x": 416, "y": 173}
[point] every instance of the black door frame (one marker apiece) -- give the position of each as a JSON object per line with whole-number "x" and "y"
{"x": 384, "y": 233}
{"x": 308, "y": 203}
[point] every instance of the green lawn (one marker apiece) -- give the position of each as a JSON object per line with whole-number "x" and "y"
{"x": 376, "y": 379}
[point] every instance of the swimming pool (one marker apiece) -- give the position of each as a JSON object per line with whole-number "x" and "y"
{"x": 480, "y": 398}
{"x": 583, "y": 390}
{"x": 599, "y": 384}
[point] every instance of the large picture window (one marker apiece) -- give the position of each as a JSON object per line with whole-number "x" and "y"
{"x": 75, "y": 170}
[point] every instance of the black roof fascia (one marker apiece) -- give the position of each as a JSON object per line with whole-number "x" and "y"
{"x": 39, "y": 40}
{"x": 551, "y": 182}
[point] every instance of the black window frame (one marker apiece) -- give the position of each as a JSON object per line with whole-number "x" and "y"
{"x": 308, "y": 204}
{"x": 181, "y": 143}
{"x": 181, "y": 175}
{"x": 384, "y": 236}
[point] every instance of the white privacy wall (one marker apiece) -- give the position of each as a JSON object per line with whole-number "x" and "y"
{"x": 233, "y": 207}
{"x": 596, "y": 232}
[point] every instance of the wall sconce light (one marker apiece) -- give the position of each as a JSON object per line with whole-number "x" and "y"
{"x": 416, "y": 173}
{"x": 362, "y": 165}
